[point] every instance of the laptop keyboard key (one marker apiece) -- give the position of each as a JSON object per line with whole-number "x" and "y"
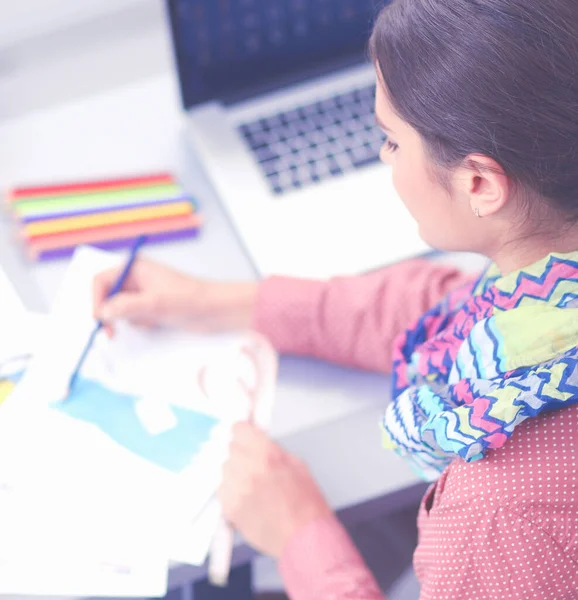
{"x": 274, "y": 122}
{"x": 291, "y": 116}
{"x": 322, "y": 120}
{"x": 316, "y": 137}
{"x": 280, "y": 148}
{"x": 256, "y": 140}
{"x": 333, "y": 165}
{"x": 298, "y": 143}
{"x": 305, "y": 126}
{"x": 353, "y": 126}
{"x": 285, "y": 179}
{"x": 265, "y": 153}
{"x": 270, "y": 167}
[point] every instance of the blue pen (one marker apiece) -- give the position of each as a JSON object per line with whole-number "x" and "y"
{"x": 114, "y": 290}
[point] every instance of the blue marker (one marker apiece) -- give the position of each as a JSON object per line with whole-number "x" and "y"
{"x": 116, "y": 288}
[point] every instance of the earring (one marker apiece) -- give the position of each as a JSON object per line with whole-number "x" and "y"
{"x": 477, "y": 212}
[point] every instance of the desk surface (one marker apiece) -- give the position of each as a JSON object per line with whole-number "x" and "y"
{"x": 327, "y": 415}
{"x": 140, "y": 128}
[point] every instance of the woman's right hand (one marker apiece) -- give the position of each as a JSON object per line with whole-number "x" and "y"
{"x": 154, "y": 294}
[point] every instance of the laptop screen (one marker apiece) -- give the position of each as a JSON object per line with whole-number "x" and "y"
{"x": 230, "y": 49}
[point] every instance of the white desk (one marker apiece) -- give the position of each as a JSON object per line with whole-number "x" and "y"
{"x": 327, "y": 415}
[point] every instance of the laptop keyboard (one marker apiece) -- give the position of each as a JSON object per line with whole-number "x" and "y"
{"x": 317, "y": 141}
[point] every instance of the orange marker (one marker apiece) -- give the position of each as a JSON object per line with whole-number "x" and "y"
{"x": 106, "y": 219}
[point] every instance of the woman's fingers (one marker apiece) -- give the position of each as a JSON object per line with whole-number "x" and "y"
{"x": 101, "y": 286}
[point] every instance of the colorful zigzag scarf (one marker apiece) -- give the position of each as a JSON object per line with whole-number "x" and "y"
{"x": 482, "y": 362}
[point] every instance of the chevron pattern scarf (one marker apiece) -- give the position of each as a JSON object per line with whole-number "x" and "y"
{"x": 482, "y": 362}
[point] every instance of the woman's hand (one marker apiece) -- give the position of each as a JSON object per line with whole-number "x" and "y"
{"x": 267, "y": 494}
{"x": 157, "y": 295}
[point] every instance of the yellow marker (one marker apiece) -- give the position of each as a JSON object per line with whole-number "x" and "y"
{"x": 114, "y": 217}
{"x": 6, "y": 387}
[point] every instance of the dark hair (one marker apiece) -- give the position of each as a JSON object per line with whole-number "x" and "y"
{"x": 495, "y": 77}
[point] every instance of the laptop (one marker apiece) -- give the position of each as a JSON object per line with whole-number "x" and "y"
{"x": 279, "y": 96}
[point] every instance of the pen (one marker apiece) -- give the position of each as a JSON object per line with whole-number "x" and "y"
{"x": 113, "y": 291}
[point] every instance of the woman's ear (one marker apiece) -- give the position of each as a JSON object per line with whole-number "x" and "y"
{"x": 483, "y": 181}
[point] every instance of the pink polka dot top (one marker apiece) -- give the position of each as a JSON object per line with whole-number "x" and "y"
{"x": 505, "y": 527}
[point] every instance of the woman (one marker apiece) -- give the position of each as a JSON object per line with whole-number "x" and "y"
{"x": 479, "y": 100}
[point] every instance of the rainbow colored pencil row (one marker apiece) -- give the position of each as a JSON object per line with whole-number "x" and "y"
{"x": 54, "y": 220}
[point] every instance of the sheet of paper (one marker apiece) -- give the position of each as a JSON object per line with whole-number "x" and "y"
{"x": 85, "y": 518}
{"x": 192, "y": 545}
{"x": 176, "y": 470}
{"x": 20, "y": 330}
{"x": 20, "y": 335}
{"x": 68, "y": 328}
{"x": 151, "y": 415}
{"x": 52, "y": 550}
{"x": 78, "y": 528}
{"x": 6, "y": 388}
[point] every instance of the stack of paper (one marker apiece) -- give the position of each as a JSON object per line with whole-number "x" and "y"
{"x": 102, "y": 488}
{"x": 19, "y": 332}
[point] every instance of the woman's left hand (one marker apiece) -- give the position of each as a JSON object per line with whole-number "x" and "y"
{"x": 267, "y": 494}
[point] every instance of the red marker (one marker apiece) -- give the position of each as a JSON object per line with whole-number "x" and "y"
{"x": 35, "y": 192}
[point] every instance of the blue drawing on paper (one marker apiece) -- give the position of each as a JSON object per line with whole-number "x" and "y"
{"x": 115, "y": 415}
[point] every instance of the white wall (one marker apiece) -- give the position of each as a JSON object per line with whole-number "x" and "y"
{"x": 54, "y": 51}
{"x": 22, "y": 19}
